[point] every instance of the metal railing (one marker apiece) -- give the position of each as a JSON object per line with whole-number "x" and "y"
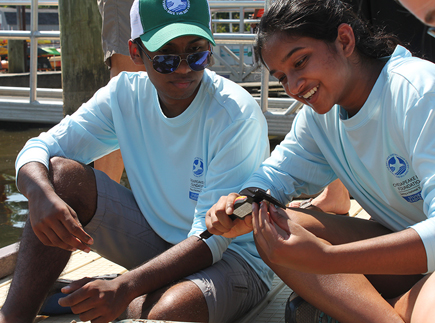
{"x": 18, "y": 109}
{"x": 280, "y": 114}
{"x": 33, "y": 34}
{"x": 240, "y": 71}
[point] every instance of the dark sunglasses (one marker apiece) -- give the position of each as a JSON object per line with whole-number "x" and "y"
{"x": 166, "y": 64}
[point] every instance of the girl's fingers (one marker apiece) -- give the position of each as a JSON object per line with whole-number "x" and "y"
{"x": 265, "y": 225}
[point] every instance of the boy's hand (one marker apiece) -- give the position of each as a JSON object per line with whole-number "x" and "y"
{"x": 218, "y": 219}
{"x": 56, "y": 224}
{"x": 98, "y": 301}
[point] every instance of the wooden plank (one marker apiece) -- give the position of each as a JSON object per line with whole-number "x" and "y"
{"x": 80, "y": 259}
{"x": 8, "y": 258}
{"x": 100, "y": 266}
{"x": 74, "y": 268}
{"x": 363, "y": 215}
{"x": 355, "y": 208}
{"x": 4, "y": 292}
{"x": 59, "y": 319}
{"x": 272, "y": 308}
{"x": 357, "y": 211}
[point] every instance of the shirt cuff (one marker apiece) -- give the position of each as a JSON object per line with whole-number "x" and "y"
{"x": 426, "y": 231}
{"x": 217, "y": 245}
{"x": 31, "y": 155}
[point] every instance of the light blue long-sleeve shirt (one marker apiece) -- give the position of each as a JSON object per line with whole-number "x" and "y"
{"x": 385, "y": 154}
{"x": 177, "y": 167}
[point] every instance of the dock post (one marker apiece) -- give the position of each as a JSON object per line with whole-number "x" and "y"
{"x": 83, "y": 68}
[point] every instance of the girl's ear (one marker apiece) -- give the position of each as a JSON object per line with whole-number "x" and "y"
{"x": 135, "y": 53}
{"x": 346, "y": 39}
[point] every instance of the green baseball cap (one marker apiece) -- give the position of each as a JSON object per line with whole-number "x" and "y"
{"x": 157, "y": 22}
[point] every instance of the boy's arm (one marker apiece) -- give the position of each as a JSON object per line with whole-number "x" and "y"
{"x": 108, "y": 299}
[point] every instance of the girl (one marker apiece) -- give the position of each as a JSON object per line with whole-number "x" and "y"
{"x": 368, "y": 120}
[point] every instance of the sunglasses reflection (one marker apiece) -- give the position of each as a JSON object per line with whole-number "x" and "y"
{"x": 166, "y": 64}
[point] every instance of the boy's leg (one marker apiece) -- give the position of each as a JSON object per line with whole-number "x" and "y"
{"x": 333, "y": 199}
{"x": 183, "y": 301}
{"x": 220, "y": 293}
{"x": 119, "y": 224}
{"x": 38, "y": 266}
{"x": 346, "y": 297}
{"x": 36, "y": 270}
{"x": 119, "y": 229}
{"x": 122, "y": 234}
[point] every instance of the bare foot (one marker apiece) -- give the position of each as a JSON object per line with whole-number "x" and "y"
{"x": 334, "y": 199}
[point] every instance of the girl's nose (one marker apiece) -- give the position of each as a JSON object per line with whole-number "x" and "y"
{"x": 294, "y": 86}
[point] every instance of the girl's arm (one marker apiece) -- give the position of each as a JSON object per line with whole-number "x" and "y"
{"x": 288, "y": 244}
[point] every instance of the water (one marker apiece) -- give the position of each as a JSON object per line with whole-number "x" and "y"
{"x": 13, "y": 205}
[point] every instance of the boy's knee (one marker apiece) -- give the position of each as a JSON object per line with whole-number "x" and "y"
{"x": 181, "y": 302}
{"x": 60, "y": 169}
{"x": 65, "y": 173}
{"x": 75, "y": 184}
{"x": 166, "y": 304}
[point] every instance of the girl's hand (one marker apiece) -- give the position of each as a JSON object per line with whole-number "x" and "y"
{"x": 286, "y": 243}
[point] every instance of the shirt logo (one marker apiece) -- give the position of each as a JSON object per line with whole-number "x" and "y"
{"x": 176, "y": 7}
{"x": 198, "y": 167}
{"x": 397, "y": 165}
{"x": 408, "y": 187}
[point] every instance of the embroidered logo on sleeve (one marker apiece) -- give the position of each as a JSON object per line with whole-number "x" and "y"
{"x": 198, "y": 167}
{"x": 197, "y": 184}
{"x": 409, "y": 186}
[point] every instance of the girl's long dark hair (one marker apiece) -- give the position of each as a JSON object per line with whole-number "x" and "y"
{"x": 320, "y": 19}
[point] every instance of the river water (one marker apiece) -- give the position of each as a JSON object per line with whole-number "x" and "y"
{"x": 13, "y": 205}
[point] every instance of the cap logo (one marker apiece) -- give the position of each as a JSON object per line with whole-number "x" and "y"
{"x": 176, "y": 7}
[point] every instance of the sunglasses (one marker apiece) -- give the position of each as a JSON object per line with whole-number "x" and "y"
{"x": 167, "y": 64}
{"x": 431, "y": 31}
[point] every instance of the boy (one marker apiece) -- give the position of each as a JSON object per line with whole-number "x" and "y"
{"x": 187, "y": 136}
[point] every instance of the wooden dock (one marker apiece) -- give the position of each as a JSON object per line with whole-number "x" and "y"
{"x": 270, "y": 310}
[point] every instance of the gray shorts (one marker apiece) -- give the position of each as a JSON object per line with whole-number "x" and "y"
{"x": 121, "y": 234}
{"x": 115, "y": 31}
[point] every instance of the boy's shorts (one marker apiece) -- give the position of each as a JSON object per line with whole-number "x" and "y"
{"x": 121, "y": 234}
{"x": 115, "y": 32}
